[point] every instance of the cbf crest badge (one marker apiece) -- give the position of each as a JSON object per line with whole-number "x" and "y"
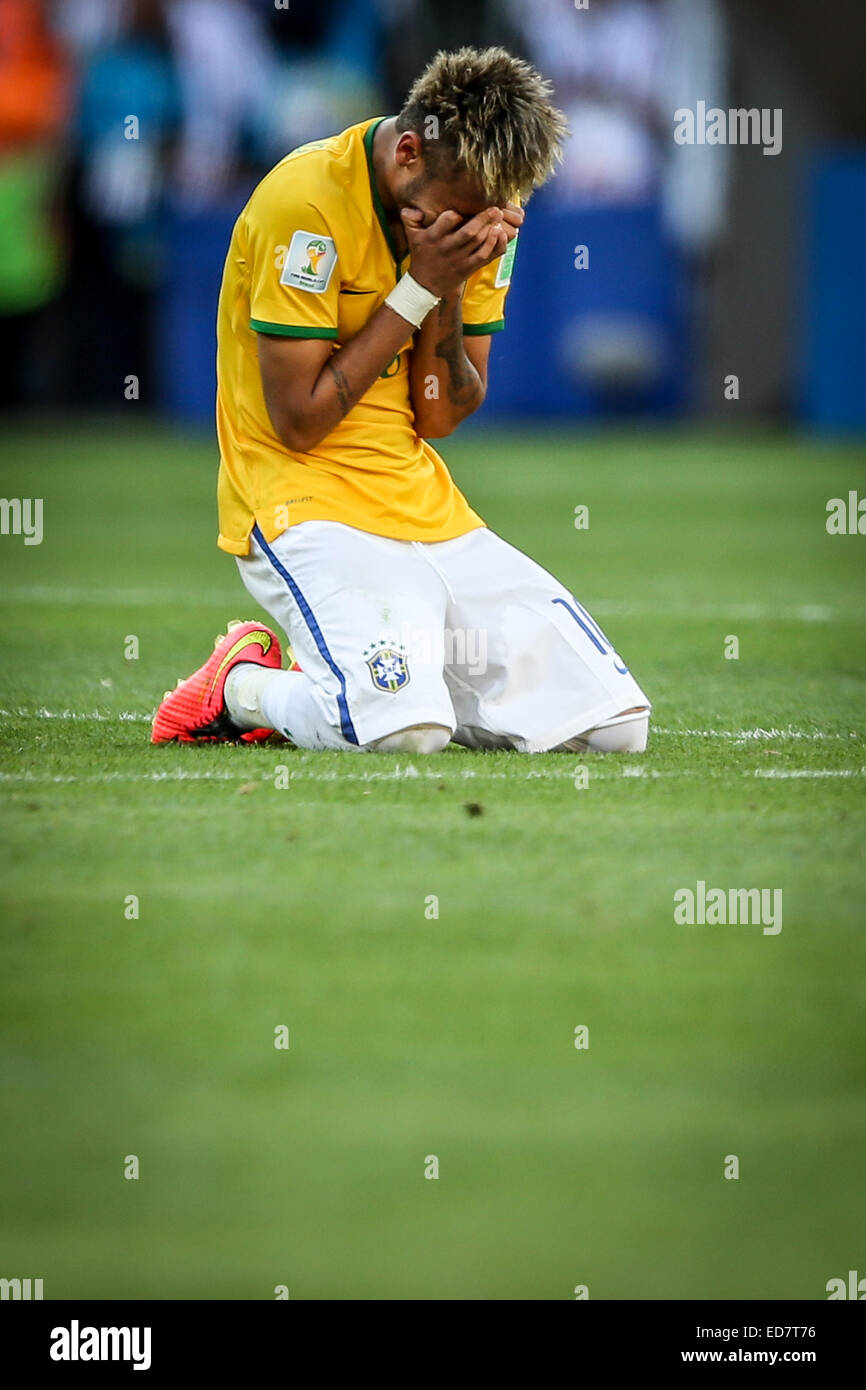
{"x": 388, "y": 667}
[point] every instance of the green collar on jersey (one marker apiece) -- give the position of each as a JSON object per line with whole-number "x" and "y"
{"x": 369, "y": 136}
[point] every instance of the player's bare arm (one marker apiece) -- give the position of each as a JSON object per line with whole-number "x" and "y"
{"x": 309, "y": 388}
{"x": 446, "y": 382}
{"x": 448, "y": 372}
{"x": 448, "y": 375}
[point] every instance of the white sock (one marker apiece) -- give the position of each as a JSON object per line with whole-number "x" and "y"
{"x": 298, "y": 709}
{"x": 245, "y": 685}
{"x": 628, "y": 736}
{"x": 625, "y": 733}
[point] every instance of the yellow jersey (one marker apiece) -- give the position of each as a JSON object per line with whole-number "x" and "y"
{"x": 312, "y": 256}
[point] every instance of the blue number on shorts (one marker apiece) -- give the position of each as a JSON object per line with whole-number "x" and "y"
{"x": 593, "y": 632}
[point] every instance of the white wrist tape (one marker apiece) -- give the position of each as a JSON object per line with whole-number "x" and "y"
{"x": 411, "y": 301}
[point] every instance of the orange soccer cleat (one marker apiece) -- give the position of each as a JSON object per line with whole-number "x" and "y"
{"x": 195, "y": 711}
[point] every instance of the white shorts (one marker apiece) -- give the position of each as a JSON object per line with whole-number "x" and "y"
{"x": 469, "y": 634}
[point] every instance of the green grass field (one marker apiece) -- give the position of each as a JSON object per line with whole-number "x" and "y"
{"x": 305, "y": 906}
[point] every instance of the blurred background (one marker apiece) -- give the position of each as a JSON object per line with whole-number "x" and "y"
{"x": 132, "y": 131}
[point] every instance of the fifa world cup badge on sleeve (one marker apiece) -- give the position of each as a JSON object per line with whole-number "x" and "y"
{"x": 310, "y": 262}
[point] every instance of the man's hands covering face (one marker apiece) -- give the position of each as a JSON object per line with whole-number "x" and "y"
{"x": 452, "y": 248}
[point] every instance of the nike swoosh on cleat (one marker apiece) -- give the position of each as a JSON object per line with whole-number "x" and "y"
{"x": 262, "y": 639}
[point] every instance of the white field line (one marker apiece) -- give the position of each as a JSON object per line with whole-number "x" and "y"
{"x": 750, "y": 735}
{"x": 734, "y": 735}
{"x": 787, "y": 774}
{"x": 88, "y": 717}
{"x": 398, "y": 774}
{"x": 743, "y": 612}
{"x": 603, "y": 608}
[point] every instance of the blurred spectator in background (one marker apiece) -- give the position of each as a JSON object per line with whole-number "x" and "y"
{"x": 33, "y": 108}
{"x": 415, "y": 29}
{"x": 127, "y": 118}
{"x": 85, "y": 25}
{"x": 620, "y": 69}
{"x": 695, "y": 178}
{"x": 225, "y": 67}
{"x": 604, "y": 62}
{"x": 327, "y": 72}
{"x": 182, "y": 106}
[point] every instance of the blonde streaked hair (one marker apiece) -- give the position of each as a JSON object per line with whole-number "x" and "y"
{"x": 494, "y": 120}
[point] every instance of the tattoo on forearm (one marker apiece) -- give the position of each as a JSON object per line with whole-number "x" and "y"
{"x": 462, "y": 377}
{"x": 344, "y": 394}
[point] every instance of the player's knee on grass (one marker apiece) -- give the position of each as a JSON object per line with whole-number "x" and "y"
{"x": 625, "y": 733}
{"x": 628, "y": 737}
{"x": 419, "y": 738}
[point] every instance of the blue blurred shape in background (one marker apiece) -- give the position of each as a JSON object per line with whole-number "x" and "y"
{"x": 590, "y": 342}
{"x": 834, "y": 396}
{"x": 197, "y": 242}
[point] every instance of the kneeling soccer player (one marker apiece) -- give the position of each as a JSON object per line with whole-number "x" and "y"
{"x": 364, "y": 279}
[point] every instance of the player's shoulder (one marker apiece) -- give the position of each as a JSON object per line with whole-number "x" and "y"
{"x": 323, "y": 174}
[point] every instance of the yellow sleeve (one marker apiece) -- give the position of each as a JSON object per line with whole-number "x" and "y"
{"x": 484, "y": 296}
{"x": 294, "y": 276}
